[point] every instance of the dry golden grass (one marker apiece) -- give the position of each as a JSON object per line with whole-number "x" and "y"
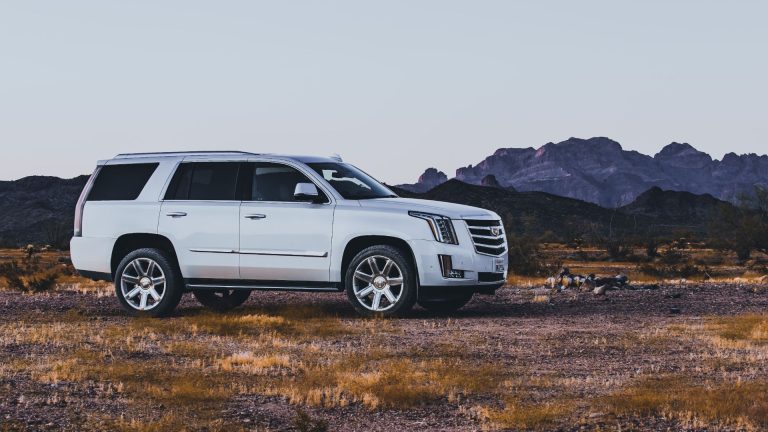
{"x": 751, "y": 328}
{"x": 742, "y": 405}
{"x": 516, "y": 415}
{"x": 386, "y": 380}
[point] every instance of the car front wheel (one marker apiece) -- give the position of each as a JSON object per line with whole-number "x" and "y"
{"x": 380, "y": 281}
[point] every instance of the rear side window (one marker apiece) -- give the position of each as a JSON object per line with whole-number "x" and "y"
{"x": 204, "y": 181}
{"x": 121, "y": 182}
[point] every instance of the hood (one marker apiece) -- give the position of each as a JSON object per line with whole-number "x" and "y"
{"x": 453, "y": 211}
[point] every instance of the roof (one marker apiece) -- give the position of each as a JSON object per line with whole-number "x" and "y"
{"x": 185, "y": 153}
{"x": 305, "y": 159}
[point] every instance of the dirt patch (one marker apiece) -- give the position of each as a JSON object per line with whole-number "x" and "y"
{"x": 72, "y": 360}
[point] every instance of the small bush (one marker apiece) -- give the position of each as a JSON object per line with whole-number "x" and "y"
{"x": 672, "y": 256}
{"x": 670, "y": 271}
{"x": 305, "y": 423}
{"x": 525, "y": 258}
{"x": 652, "y": 248}
{"x": 617, "y": 249}
{"x": 28, "y": 277}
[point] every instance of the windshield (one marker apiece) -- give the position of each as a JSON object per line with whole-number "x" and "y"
{"x": 350, "y": 182}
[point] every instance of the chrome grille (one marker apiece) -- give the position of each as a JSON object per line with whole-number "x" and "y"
{"x": 483, "y": 237}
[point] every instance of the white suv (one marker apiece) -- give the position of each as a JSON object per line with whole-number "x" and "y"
{"x": 222, "y": 224}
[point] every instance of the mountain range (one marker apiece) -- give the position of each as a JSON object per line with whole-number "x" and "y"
{"x": 38, "y": 209}
{"x": 655, "y": 213}
{"x": 600, "y": 171}
{"x": 571, "y": 189}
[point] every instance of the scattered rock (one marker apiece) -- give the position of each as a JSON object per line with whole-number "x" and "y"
{"x": 600, "y": 290}
{"x": 674, "y": 310}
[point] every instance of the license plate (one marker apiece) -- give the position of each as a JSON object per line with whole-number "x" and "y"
{"x": 498, "y": 265}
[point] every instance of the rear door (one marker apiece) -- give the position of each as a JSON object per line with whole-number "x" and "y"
{"x": 200, "y": 215}
{"x": 282, "y": 239}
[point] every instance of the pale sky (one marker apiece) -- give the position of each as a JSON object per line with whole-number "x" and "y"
{"x": 392, "y": 86}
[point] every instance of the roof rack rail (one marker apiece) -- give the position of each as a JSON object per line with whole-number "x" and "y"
{"x": 183, "y": 153}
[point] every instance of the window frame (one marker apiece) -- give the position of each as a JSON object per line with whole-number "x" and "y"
{"x": 308, "y": 174}
{"x": 177, "y": 170}
{"x": 103, "y": 168}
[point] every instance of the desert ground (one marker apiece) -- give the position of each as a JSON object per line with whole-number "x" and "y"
{"x": 667, "y": 355}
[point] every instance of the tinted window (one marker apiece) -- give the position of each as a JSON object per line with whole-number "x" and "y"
{"x": 204, "y": 181}
{"x": 275, "y": 182}
{"x": 350, "y": 182}
{"x": 121, "y": 182}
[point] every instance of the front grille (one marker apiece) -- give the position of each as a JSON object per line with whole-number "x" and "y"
{"x": 483, "y": 238}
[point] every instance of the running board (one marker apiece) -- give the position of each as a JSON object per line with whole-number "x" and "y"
{"x": 307, "y": 286}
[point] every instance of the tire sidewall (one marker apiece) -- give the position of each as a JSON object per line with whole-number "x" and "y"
{"x": 408, "y": 297}
{"x": 173, "y": 284}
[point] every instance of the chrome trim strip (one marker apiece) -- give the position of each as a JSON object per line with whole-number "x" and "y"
{"x": 261, "y": 287}
{"x": 486, "y": 237}
{"x": 311, "y": 254}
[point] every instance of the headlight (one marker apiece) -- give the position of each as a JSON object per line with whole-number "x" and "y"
{"x": 441, "y": 226}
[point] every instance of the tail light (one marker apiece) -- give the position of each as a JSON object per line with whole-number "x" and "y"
{"x": 81, "y": 203}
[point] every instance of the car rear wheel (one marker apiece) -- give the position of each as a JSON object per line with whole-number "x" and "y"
{"x": 222, "y": 300}
{"x": 380, "y": 281}
{"x": 147, "y": 283}
{"x": 445, "y": 306}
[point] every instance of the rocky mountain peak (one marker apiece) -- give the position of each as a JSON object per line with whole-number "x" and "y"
{"x": 490, "y": 181}
{"x": 432, "y": 177}
{"x": 683, "y": 155}
{"x": 600, "y": 171}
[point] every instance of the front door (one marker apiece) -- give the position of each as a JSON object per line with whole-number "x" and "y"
{"x": 200, "y": 215}
{"x": 282, "y": 239}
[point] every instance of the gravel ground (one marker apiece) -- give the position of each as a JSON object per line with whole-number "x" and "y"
{"x": 594, "y": 343}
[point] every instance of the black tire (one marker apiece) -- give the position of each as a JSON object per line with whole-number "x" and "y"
{"x": 171, "y": 291}
{"x": 445, "y": 306}
{"x": 407, "y": 295}
{"x": 222, "y": 300}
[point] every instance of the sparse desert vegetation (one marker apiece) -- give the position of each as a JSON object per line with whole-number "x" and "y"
{"x": 72, "y": 360}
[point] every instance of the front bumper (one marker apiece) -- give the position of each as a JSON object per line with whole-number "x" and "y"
{"x": 480, "y": 271}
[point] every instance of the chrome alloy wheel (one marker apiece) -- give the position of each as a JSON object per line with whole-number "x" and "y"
{"x": 378, "y": 283}
{"x": 142, "y": 284}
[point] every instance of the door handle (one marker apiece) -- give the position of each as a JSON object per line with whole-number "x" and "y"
{"x": 255, "y": 216}
{"x": 176, "y": 214}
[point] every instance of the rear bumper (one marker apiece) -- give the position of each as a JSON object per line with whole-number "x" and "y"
{"x": 92, "y": 255}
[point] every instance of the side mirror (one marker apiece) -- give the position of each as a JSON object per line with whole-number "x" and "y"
{"x": 306, "y": 192}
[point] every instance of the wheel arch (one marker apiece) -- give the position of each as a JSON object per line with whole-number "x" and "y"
{"x": 127, "y": 243}
{"x": 356, "y": 244}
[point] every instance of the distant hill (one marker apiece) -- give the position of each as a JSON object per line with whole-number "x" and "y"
{"x": 41, "y": 209}
{"x": 675, "y": 208}
{"x": 656, "y": 212}
{"x": 600, "y": 171}
{"x": 38, "y": 209}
